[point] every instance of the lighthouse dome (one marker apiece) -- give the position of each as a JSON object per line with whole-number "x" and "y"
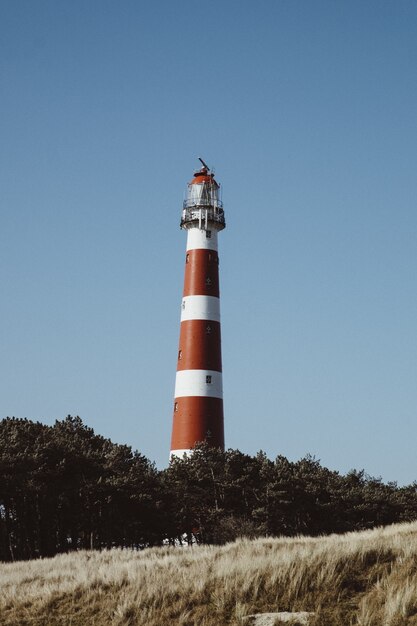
{"x": 203, "y": 176}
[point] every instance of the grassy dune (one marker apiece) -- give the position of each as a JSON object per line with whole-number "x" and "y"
{"x": 367, "y": 578}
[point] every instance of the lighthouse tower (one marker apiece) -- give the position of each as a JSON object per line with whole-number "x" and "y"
{"x": 198, "y": 404}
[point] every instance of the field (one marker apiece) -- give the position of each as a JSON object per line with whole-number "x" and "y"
{"x": 366, "y": 579}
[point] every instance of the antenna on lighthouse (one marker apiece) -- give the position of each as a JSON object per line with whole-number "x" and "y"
{"x": 204, "y": 164}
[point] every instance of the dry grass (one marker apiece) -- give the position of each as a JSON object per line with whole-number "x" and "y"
{"x": 364, "y": 579}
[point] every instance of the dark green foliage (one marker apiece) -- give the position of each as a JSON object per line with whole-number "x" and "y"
{"x": 63, "y": 487}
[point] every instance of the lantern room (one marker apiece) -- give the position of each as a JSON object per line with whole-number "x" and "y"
{"x": 203, "y": 205}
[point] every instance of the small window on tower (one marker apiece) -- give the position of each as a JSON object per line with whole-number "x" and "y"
{"x": 208, "y": 329}
{"x": 176, "y": 406}
{"x": 208, "y": 234}
{"x": 208, "y": 281}
{"x": 208, "y": 380}
{"x": 187, "y": 258}
{"x": 209, "y": 256}
{"x": 179, "y": 355}
{"x": 183, "y": 304}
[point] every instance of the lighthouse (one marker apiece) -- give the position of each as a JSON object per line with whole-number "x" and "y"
{"x": 198, "y": 403}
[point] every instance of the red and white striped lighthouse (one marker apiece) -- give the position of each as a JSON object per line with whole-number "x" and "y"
{"x": 198, "y": 404}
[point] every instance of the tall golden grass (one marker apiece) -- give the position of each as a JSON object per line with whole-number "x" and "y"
{"x": 365, "y": 579}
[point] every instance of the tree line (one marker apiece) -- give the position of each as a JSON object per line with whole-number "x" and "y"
{"x": 64, "y": 488}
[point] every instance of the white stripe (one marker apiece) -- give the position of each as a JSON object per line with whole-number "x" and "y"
{"x": 197, "y": 239}
{"x": 200, "y": 308}
{"x": 194, "y": 383}
{"x": 179, "y": 453}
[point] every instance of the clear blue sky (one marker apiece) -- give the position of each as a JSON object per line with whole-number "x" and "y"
{"x": 308, "y": 111}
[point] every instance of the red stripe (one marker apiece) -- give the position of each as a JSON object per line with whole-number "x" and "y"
{"x": 197, "y": 419}
{"x": 201, "y": 273}
{"x": 200, "y": 346}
